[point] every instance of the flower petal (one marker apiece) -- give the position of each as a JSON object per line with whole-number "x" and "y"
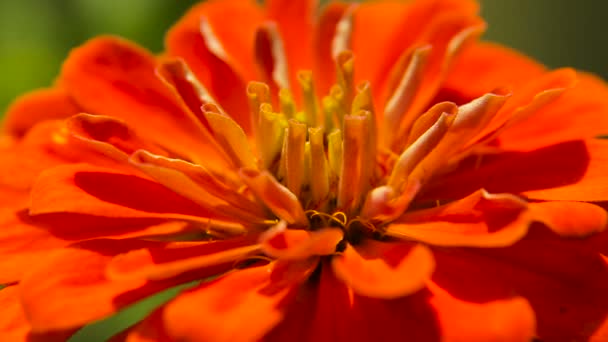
{"x": 275, "y": 196}
{"x": 108, "y": 136}
{"x": 254, "y": 295}
{"x": 295, "y": 244}
{"x": 31, "y": 108}
{"x": 180, "y": 182}
{"x": 378, "y": 46}
{"x": 105, "y": 192}
{"x": 62, "y": 294}
{"x": 324, "y": 34}
{"x": 384, "y": 270}
{"x": 14, "y": 325}
{"x": 543, "y": 174}
{"x": 563, "y": 280}
{"x": 178, "y": 258}
{"x": 479, "y": 220}
{"x": 580, "y": 113}
{"x": 577, "y": 219}
{"x": 220, "y": 56}
{"x": 328, "y": 310}
{"x": 114, "y": 77}
{"x": 295, "y": 24}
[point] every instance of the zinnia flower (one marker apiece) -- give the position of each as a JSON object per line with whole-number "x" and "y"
{"x": 356, "y": 172}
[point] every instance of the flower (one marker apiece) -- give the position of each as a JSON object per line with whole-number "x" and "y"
{"x": 415, "y": 183}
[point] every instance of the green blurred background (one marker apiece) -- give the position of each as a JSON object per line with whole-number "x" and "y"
{"x": 35, "y": 35}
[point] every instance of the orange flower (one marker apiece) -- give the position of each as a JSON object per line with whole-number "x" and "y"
{"x": 414, "y": 184}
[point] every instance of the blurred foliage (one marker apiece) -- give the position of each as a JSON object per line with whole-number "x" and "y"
{"x": 36, "y": 35}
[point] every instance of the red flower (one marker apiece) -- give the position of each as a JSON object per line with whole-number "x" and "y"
{"x": 415, "y": 184}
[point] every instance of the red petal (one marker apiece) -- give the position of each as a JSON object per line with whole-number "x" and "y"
{"x": 540, "y": 174}
{"x": 100, "y": 191}
{"x": 327, "y": 310}
{"x": 564, "y": 280}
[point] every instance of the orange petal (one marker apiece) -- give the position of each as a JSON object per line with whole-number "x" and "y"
{"x": 99, "y": 191}
{"x": 579, "y": 113}
{"x": 282, "y": 243}
{"x": 384, "y": 270}
{"x": 253, "y": 295}
{"x": 169, "y": 261}
{"x": 540, "y": 174}
{"x": 501, "y": 320}
{"x": 31, "y": 108}
{"x": 530, "y": 98}
{"x": 14, "y": 325}
{"x": 479, "y": 220}
{"x": 18, "y": 172}
{"x": 576, "y": 219}
{"x": 26, "y": 240}
{"x": 220, "y": 56}
{"x": 62, "y": 294}
{"x": 114, "y": 77}
{"x": 483, "y": 67}
{"x": 180, "y": 182}
{"x": 563, "y": 280}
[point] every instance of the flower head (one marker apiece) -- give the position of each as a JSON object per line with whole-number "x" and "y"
{"x": 360, "y": 172}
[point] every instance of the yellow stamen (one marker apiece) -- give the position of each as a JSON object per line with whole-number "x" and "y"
{"x": 272, "y": 128}
{"x": 294, "y": 156}
{"x": 318, "y": 169}
{"x": 288, "y": 106}
{"x": 309, "y": 98}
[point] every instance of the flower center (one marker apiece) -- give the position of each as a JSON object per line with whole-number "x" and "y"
{"x": 325, "y": 153}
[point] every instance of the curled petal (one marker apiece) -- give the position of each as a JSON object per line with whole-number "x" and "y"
{"x": 111, "y": 76}
{"x": 282, "y": 243}
{"x": 384, "y": 270}
{"x": 479, "y": 220}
